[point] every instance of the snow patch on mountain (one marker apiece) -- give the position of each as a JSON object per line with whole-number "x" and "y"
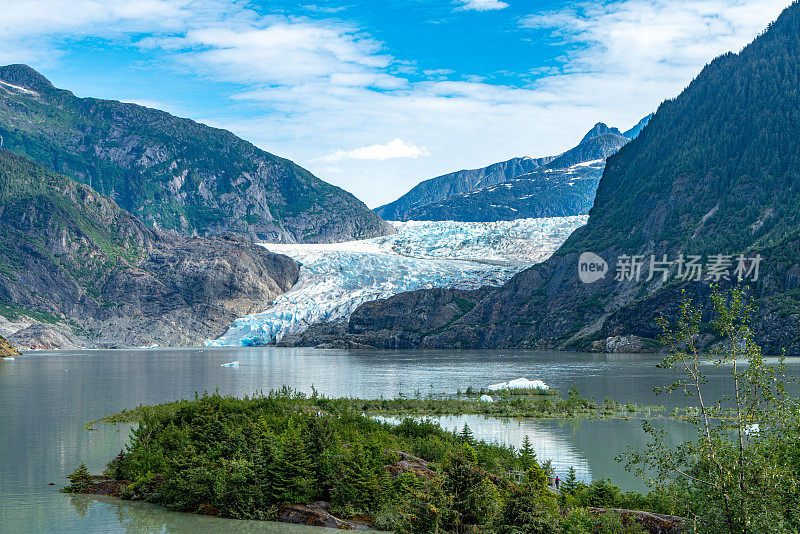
{"x": 336, "y": 278}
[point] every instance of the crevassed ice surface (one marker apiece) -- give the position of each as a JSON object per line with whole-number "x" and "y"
{"x": 336, "y": 278}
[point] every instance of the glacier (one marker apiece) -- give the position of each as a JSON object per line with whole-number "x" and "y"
{"x": 336, "y": 278}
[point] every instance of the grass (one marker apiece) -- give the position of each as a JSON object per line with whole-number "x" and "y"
{"x": 509, "y": 403}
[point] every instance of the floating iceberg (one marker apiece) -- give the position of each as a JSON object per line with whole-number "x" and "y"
{"x": 519, "y": 383}
{"x": 336, "y": 278}
{"x": 486, "y": 398}
{"x": 231, "y": 364}
{"x": 9, "y": 358}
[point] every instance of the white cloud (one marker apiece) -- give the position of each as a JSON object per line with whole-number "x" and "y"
{"x": 287, "y": 53}
{"x": 480, "y": 5}
{"x": 392, "y": 150}
{"x": 654, "y": 44}
{"x": 311, "y": 87}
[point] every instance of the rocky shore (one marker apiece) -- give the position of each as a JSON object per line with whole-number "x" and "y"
{"x": 7, "y": 350}
{"x": 314, "y": 514}
{"x": 317, "y": 514}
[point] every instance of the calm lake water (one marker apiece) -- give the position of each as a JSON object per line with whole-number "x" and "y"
{"x": 46, "y": 398}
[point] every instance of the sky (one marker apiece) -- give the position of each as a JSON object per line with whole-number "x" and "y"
{"x": 375, "y": 96}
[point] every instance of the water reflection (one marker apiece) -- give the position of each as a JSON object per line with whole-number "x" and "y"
{"x": 590, "y": 447}
{"x": 47, "y": 398}
{"x": 143, "y": 518}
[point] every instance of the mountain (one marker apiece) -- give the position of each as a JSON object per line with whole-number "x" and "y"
{"x": 556, "y": 186}
{"x": 72, "y": 257}
{"x": 715, "y": 172}
{"x": 457, "y": 183}
{"x": 174, "y": 173}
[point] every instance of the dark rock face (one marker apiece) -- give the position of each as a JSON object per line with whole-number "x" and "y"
{"x": 174, "y": 173}
{"x": 408, "y": 463}
{"x": 74, "y": 254}
{"x": 715, "y": 172}
{"x": 317, "y": 515}
{"x": 556, "y": 186}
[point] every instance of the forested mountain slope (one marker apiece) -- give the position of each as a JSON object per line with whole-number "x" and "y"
{"x": 174, "y": 173}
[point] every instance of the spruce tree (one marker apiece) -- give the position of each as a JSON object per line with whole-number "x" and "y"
{"x": 527, "y": 456}
{"x": 466, "y": 435}
{"x": 570, "y": 484}
{"x": 294, "y": 479}
{"x": 79, "y": 480}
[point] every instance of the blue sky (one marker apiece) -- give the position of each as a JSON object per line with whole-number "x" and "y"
{"x": 375, "y": 96}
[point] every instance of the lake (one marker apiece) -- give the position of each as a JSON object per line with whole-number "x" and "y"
{"x": 46, "y": 398}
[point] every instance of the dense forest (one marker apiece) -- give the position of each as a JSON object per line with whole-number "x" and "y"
{"x": 246, "y": 458}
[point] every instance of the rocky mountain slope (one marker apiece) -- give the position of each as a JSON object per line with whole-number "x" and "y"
{"x": 174, "y": 173}
{"x": 71, "y": 256}
{"x": 457, "y": 183}
{"x": 715, "y": 172}
{"x": 556, "y": 186}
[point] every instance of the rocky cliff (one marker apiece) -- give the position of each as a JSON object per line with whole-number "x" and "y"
{"x": 71, "y": 256}
{"x": 716, "y": 174}
{"x": 174, "y": 173}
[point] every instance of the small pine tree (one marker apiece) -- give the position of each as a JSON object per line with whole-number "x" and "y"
{"x": 527, "y": 456}
{"x": 79, "y": 480}
{"x": 570, "y": 484}
{"x": 466, "y": 435}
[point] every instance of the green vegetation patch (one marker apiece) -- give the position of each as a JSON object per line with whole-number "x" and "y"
{"x": 248, "y": 458}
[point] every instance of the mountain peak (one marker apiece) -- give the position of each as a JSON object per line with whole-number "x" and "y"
{"x": 24, "y": 76}
{"x": 599, "y": 129}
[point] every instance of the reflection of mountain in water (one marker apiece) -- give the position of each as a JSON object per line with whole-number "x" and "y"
{"x": 550, "y": 441}
{"x": 589, "y": 446}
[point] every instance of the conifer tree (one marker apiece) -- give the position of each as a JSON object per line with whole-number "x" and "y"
{"x": 570, "y": 484}
{"x": 527, "y": 456}
{"x": 466, "y": 435}
{"x": 79, "y": 480}
{"x": 294, "y": 479}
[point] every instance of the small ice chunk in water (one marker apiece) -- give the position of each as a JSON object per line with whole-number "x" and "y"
{"x": 231, "y": 364}
{"x": 9, "y": 358}
{"x": 524, "y": 383}
{"x": 519, "y": 383}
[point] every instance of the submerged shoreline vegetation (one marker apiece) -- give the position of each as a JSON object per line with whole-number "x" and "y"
{"x": 284, "y": 456}
{"x": 507, "y": 403}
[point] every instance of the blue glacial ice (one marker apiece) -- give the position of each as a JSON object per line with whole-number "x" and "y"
{"x": 336, "y": 278}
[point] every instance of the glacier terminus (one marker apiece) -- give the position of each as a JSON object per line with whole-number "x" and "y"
{"x": 336, "y": 278}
